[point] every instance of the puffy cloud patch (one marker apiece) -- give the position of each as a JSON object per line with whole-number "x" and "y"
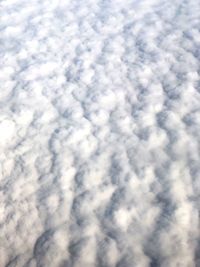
{"x": 99, "y": 133}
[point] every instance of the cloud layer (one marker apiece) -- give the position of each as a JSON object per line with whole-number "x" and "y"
{"x": 99, "y": 133}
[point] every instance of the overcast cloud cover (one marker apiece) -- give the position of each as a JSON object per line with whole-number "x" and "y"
{"x": 99, "y": 133}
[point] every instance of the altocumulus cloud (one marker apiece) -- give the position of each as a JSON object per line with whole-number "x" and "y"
{"x": 99, "y": 133}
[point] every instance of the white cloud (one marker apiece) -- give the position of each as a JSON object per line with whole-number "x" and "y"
{"x": 99, "y": 133}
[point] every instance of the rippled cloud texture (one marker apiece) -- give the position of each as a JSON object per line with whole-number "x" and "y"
{"x": 99, "y": 133}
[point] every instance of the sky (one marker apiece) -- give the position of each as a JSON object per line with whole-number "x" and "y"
{"x": 99, "y": 133}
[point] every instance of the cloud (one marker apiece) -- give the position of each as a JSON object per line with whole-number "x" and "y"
{"x": 99, "y": 133}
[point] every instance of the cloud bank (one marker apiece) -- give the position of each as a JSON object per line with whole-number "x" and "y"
{"x": 99, "y": 133}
